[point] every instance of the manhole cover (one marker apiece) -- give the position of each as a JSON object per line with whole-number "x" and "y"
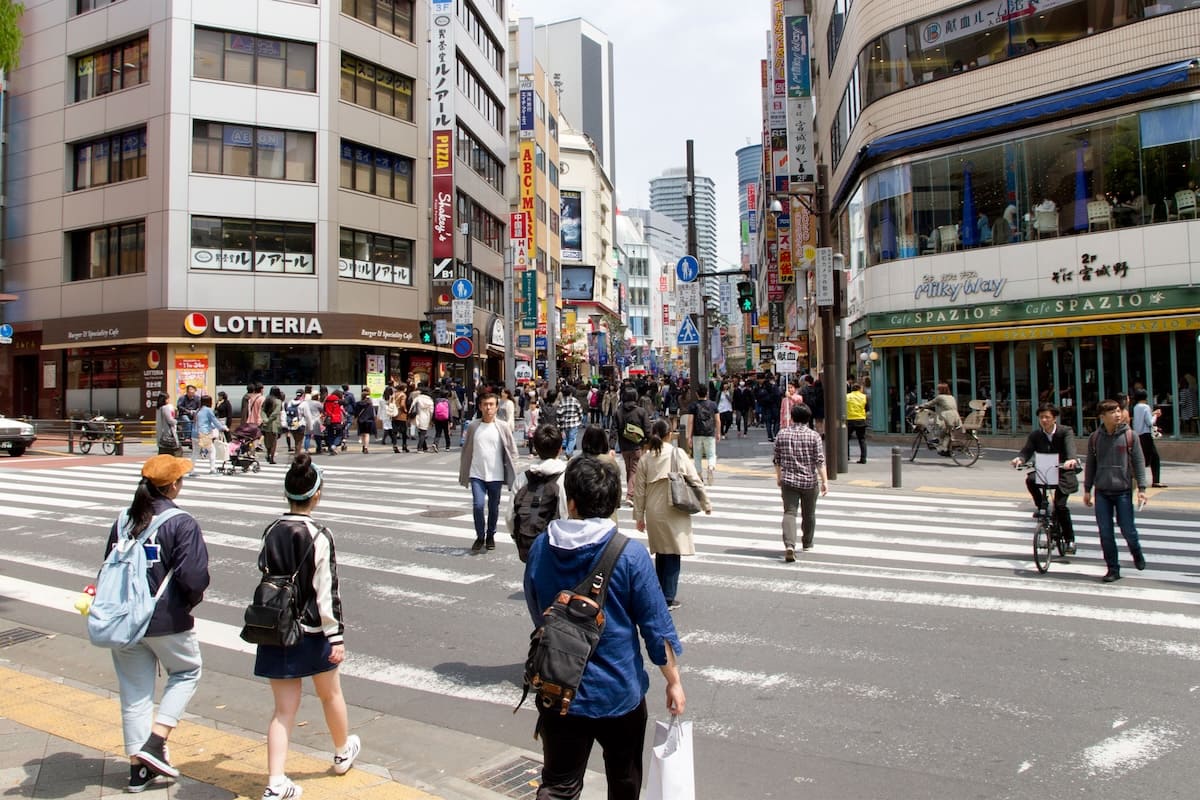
{"x": 18, "y": 635}
{"x": 441, "y": 513}
{"x": 517, "y": 779}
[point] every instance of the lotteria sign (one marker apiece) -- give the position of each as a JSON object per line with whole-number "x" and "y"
{"x": 197, "y": 324}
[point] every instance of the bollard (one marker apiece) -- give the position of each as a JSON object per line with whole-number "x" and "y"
{"x": 71, "y": 436}
{"x": 895, "y": 467}
{"x": 119, "y": 438}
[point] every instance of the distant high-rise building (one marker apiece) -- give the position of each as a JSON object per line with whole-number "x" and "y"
{"x": 668, "y": 196}
{"x": 578, "y": 58}
{"x": 665, "y": 235}
{"x": 749, "y": 160}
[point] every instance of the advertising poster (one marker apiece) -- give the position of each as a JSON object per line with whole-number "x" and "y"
{"x": 526, "y": 174}
{"x": 571, "y": 225}
{"x": 376, "y": 381}
{"x": 799, "y": 81}
{"x": 191, "y": 370}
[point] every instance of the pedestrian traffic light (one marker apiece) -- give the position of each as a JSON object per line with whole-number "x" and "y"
{"x": 745, "y": 297}
{"x": 426, "y": 332}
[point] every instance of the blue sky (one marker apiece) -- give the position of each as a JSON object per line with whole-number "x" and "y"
{"x": 678, "y": 77}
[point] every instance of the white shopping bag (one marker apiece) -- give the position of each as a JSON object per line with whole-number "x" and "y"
{"x": 220, "y": 449}
{"x": 672, "y": 774}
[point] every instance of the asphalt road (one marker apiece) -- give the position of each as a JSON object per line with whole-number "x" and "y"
{"x": 914, "y": 653}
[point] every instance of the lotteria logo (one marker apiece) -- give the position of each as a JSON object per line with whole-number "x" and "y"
{"x": 196, "y": 323}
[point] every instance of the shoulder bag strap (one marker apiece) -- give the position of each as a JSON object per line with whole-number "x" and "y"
{"x": 596, "y": 584}
{"x": 262, "y": 554}
{"x": 145, "y": 535}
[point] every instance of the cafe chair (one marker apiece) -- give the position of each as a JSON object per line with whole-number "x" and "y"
{"x": 1099, "y": 213}
{"x": 1045, "y": 223}
{"x": 1185, "y": 204}
{"x": 947, "y": 238}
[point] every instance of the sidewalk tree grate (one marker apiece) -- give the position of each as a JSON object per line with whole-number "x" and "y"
{"x": 517, "y": 778}
{"x": 17, "y": 635}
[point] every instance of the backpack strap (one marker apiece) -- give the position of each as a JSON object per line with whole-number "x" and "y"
{"x": 155, "y": 523}
{"x": 262, "y": 553}
{"x": 596, "y": 584}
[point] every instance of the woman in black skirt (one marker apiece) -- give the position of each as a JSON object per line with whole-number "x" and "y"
{"x": 364, "y": 415}
{"x": 294, "y": 544}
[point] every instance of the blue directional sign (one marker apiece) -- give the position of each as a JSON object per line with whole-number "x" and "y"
{"x": 687, "y": 268}
{"x": 462, "y": 330}
{"x": 688, "y": 335}
{"x": 462, "y": 289}
{"x": 6, "y": 331}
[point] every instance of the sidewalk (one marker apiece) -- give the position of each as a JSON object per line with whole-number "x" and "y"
{"x": 60, "y": 737}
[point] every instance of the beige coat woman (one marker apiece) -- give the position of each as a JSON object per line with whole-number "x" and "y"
{"x": 668, "y": 530}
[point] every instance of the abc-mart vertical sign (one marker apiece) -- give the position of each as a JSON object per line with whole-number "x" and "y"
{"x": 442, "y": 122}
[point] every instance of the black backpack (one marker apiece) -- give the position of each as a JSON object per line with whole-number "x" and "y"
{"x": 535, "y": 505}
{"x": 547, "y": 415}
{"x": 704, "y": 424}
{"x": 560, "y": 648}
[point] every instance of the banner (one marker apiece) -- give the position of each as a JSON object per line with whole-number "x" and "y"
{"x": 442, "y": 122}
{"x": 529, "y": 287}
{"x": 801, "y": 162}
{"x": 525, "y": 108}
{"x": 443, "y": 194}
{"x": 526, "y": 173}
{"x": 778, "y": 48}
{"x": 518, "y": 238}
{"x": 571, "y": 225}
{"x": 799, "y": 81}
{"x": 786, "y": 272}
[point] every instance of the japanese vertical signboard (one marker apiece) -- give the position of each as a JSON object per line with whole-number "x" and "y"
{"x": 529, "y": 288}
{"x": 442, "y": 123}
{"x": 799, "y": 82}
{"x": 800, "y": 158}
{"x": 518, "y": 238}
{"x": 525, "y": 108}
{"x": 525, "y": 174}
{"x": 804, "y": 235}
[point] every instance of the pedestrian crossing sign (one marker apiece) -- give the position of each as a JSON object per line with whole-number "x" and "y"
{"x": 688, "y": 335}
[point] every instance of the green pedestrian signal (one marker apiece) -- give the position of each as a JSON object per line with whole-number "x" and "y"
{"x": 746, "y": 300}
{"x": 426, "y": 332}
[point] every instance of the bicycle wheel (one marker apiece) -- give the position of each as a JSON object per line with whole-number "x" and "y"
{"x": 1041, "y": 547}
{"x": 1060, "y": 541}
{"x": 109, "y": 445}
{"x": 85, "y": 446}
{"x": 965, "y": 452}
{"x": 918, "y": 442}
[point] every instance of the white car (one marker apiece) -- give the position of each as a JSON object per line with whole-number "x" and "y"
{"x": 15, "y": 435}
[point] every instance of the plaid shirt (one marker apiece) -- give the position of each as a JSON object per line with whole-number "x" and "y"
{"x": 570, "y": 413}
{"x": 799, "y": 452}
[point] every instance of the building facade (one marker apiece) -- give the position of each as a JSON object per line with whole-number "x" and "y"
{"x": 219, "y": 195}
{"x": 1016, "y": 204}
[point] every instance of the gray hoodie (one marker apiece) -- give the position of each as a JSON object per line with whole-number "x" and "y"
{"x": 1109, "y": 458}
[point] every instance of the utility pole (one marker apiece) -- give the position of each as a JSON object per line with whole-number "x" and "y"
{"x": 509, "y": 318}
{"x": 696, "y": 361}
{"x": 832, "y": 379}
{"x": 551, "y": 331}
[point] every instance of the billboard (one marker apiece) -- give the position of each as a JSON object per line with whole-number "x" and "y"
{"x": 571, "y": 225}
{"x": 578, "y": 283}
{"x": 526, "y": 175}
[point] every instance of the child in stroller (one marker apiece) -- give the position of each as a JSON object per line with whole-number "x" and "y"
{"x": 241, "y": 450}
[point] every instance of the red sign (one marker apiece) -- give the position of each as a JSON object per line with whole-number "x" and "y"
{"x": 752, "y": 196}
{"x": 443, "y": 194}
{"x": 516, "y": 225}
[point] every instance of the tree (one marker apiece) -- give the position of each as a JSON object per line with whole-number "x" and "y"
{"x": 10, "y": 34}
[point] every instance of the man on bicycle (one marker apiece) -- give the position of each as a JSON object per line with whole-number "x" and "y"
{"x": 945, "y": 409}
{"x": 1050, "y": 437}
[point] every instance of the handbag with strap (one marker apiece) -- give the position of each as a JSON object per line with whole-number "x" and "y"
{"x": 683, "y": 494}
{"x": 273, "y": 616}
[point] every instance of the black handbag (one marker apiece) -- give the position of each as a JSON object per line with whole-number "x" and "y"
{"x": 273, "y": 616}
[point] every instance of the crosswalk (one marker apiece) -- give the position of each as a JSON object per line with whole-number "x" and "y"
{"x": 404, "y": 528}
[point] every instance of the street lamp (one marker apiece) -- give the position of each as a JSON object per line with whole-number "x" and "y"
{"x": 866, "y": 362}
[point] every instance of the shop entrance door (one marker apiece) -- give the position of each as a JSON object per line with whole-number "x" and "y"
{"x": 25, "y": 386}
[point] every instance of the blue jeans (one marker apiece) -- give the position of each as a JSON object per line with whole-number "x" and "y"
{"x": 668, "y": 565}
{"x": 136, "y": 665}
{"x": 490, "y": 491}
{"x": 771, "y": 423}
{"x": 1122, "y": 504}
{"x": 569, "y": 441}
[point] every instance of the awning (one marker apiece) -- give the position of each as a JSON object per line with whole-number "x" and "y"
{"x": 1025, "y": 112}
{"x": 1036, "y": 332}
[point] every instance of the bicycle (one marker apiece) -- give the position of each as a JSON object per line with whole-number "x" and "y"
{"x": 1048, "y": 535}
{"x": 98, "y": 430}
{"x": 965, "y": 447}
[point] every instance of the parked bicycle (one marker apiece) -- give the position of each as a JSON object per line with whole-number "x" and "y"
{"x": 97, "y": 430}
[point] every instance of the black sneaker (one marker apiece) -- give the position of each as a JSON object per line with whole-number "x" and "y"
{"x": 1139, "y": 561}
{"x": 1109, "y": 577}
{"x": 1071, "y": 548}
{"x": 141, "y": 778}
{"x": 154, "y": 755}
{"x": 490, "y": 544}
{"x": 475, "y": 548}
{"x": 673, "y": 604}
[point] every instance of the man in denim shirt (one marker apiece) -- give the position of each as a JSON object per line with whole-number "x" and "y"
{"x": 610, "y": 706}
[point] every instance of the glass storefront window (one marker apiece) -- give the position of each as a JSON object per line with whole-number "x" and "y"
{"x": 105, "y": 381}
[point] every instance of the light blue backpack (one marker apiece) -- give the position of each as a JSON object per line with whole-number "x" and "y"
{"x": 123, "y": 605}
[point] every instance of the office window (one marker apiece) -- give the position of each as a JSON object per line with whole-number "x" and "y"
{"x": 474, "y": 90}
{"x": 479, "y": 33}
{"x": 112, "y": 158}
{"x": 377, "y": 172}
{"x": 479, "y": 158}
{"x": 83, "y": 6}
{"x": 391, "y": 16}
{"x": 374, "y": 257}
{"x": 243, "y": 150}
{"x": 112, "y": 69}
{"x": 107, "y": 251}
{"x": 485, "y": 228}
{"x": 377, "y": 88}
{"x": 554, "y": 222}
{"x": 248, "y": 245}
{"x": 255, "y": 60}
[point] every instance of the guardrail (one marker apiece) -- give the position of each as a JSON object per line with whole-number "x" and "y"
{"x": 82, "y": 435}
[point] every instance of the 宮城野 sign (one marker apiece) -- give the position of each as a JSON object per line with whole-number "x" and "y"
{"x": 197, "y": 324}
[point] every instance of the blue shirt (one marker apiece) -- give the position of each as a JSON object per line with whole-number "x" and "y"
{"x": 207, "y": 422}
{"x": 615, "y": 680}
{"x": 1143, "y": 420}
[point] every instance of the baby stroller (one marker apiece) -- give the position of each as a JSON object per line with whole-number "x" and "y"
{"x": 241, "y": 450}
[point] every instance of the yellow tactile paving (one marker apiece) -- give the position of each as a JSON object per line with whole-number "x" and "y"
{"x": 232, "y": 762}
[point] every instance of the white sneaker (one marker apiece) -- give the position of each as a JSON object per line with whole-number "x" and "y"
{"x": 710, "y": 476}
{"x": 284, "y": 791}
{"x": 344, "y": 761}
